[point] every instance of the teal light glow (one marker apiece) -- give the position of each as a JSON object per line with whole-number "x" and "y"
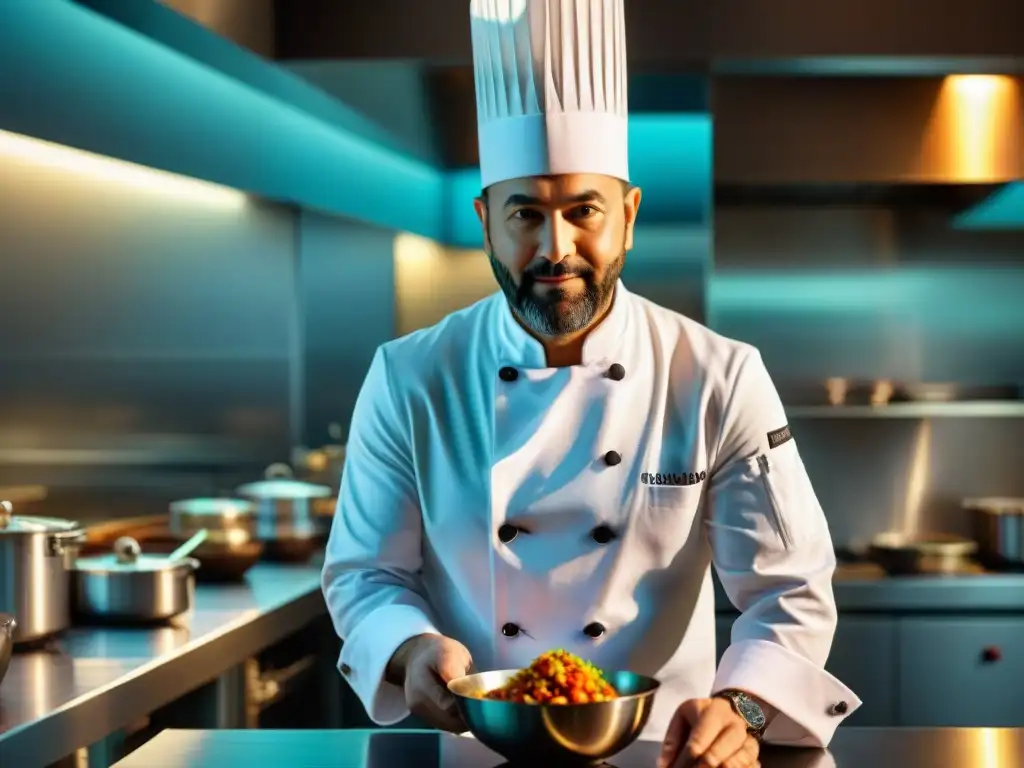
{"x": 670, "y": 158}
{"x": 1003, "y": 209}
{"x": 90, "y": 83}
{"x": 982, "y": 298}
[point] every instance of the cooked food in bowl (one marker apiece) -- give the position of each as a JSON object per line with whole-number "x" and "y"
{"x": 556, "y": 677}
{"x": 513, "y": 711}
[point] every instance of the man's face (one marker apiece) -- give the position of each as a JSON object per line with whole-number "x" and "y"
{"x": 557, "y": 245}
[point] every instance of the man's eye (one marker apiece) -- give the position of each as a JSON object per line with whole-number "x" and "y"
{"x": 585, "y": 211}
{"x": 525, "y": 214}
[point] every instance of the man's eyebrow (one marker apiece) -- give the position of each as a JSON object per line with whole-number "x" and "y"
{"x": 588, "y": 196}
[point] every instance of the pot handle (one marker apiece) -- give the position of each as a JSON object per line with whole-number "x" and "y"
{"x": 58, "y": 543}
{"x": 279, "y": 470}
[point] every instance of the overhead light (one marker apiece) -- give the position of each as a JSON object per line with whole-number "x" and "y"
{"x": 118, "y": 172}
{"x": 976, "y": 127}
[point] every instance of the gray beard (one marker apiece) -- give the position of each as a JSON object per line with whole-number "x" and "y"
{"x": 549, "y": 315}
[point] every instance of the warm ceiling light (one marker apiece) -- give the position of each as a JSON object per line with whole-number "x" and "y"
{"x": 978, "y": 122}
{"x": 117, "y": 172}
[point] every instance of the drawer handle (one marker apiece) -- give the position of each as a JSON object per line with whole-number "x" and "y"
{"x": 992, "y": 654}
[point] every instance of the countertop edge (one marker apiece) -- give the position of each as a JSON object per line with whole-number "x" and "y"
{"x": 97, "y": 714}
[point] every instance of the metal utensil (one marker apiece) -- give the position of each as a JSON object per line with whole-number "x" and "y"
{"x": 902, "y": 554}
{"x": 998, "y": 527}
{"x": 189, "y": 546}
{"x": 557, "y": 734}
{"x": 36, "y": 553}
{"x": 230, "y": 549}
{"x": 129, "y": 586}
{"x": 286, "y": 518}
{"x": 7, "y": 626}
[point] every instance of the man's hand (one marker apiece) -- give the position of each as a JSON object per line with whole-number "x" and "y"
{"x": 423, "y": 665}
{"x": 707, "y": 733}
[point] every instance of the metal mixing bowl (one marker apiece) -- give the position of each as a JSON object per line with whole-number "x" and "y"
{"x": 561, "y": 734}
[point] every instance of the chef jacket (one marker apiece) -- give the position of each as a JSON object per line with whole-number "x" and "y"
{"x": 519, "y": 508}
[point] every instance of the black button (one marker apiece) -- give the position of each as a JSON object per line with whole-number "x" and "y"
{"x": 345, "y": 669}
{"x": 612, "y": 458}
{"x": 603, "y": 534}
{"x": 839, "y": 708}
{"x": 507, "y": 532}
{"x": 508, "y": 374}
{"x": 510, "y": 629}
{"x": 594, "y": 630}
{"x": 616, "y": 372}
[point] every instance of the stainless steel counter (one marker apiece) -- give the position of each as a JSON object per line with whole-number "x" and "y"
{"x": 851, "y": 748}
{"x": 94, "y": 681}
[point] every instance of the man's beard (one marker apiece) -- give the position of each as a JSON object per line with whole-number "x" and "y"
{"x": 556, "y": 312}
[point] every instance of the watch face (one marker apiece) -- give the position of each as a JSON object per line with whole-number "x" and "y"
{"x": 750, "y": 712}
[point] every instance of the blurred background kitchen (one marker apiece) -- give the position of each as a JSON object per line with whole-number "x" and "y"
{"x": 213, "y": 211}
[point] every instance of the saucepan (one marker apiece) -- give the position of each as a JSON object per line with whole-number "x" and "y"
{"x": 231, "y": 547}
{"x": 555, "y": 734}
{"x": 7, "y": 627}
{"x": 998, "y": 527}
{"x": 289, "y": 517}
{"x": 130, "y": 587}
{"x": 906, "y": 554}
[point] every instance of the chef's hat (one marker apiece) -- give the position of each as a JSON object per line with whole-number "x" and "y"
{"x": 550, "y": 87}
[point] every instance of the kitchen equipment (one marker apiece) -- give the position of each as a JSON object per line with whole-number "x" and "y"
{"x": 131, "y": 587}
{"x": 231, "y": 548}
{"x": 902, "y": 554}
{"x": 322, "y": 465}
{"x": 7, "y": 626}
{"x": 998, "y": 527}
{"x": 287, "y": 521}
{"x": 556, "y": 734}
{"x": 35, "y": 553}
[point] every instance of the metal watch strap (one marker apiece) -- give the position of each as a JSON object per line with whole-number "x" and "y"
{"x": 748, "y": 709}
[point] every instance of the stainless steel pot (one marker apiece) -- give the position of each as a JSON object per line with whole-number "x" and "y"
{"x": 231, "y": 547}
{"x": 322, "y": 465}
{"x": 7, "y": 627}
{"x": 35, "y": 553}
{"x": 902, "y": 554}
{"x": 131, "y": 587}
{"x": 998, "y": 526}
{"x": 289, "y": 520}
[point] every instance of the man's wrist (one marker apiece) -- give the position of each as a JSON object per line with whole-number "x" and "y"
{"x": 757, "y": 719}
{"x": 394, "y": 672}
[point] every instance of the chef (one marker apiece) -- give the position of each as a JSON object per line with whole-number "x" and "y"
{"x": 560, "y": 464}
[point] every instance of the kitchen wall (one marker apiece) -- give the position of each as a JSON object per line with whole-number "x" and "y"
{"x": 165, "y": 337}
{"x": 875, "y": 292}
{"x": 347, "y": 291}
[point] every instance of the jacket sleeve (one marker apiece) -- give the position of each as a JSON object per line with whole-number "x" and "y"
{"x": 773, "y": 553}
{"x": 370, "y": 577}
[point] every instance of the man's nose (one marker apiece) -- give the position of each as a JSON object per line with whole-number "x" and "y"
{"x": 556, "y": 242}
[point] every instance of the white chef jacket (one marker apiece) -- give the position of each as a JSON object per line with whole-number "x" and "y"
{"x": 621, "y": 492}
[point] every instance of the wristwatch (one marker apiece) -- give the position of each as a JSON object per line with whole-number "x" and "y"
{"x": 748, "y": 709}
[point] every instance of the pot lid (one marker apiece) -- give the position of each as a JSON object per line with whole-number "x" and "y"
{"x": 128, "y": 557}
{"x": 1009, "y": 506}
{"x": 284, "y": 489}
{"x": 224, "y": 508}
{"x": 281, "y": 484}
{"x": 11, "y": 523}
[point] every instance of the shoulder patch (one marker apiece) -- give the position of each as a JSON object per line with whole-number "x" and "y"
{"x": 779, "y": 436}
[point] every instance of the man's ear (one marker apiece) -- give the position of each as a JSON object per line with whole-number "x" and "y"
{"x": 480, "y": 206}
{"x": 631, "y": 204}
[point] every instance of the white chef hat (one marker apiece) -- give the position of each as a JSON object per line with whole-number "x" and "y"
{"x": 550, "y": 87}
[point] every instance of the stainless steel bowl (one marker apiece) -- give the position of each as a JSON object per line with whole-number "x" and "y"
{"x": 562, "y": 734}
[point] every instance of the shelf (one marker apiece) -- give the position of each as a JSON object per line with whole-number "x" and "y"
{"x": 1007, "y": 409}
